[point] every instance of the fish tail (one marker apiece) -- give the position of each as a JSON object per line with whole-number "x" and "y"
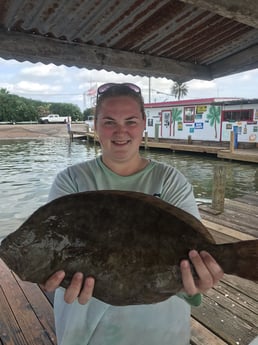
{"x": 240, "y": 258}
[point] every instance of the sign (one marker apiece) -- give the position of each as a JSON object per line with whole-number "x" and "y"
{"x": 200, "y": 109}
{"x": 180, "y": 126}
{"x": 198, "y": 125}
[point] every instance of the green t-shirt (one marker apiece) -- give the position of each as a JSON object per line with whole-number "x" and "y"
{"x": 97, "y": 323}
{"x": 155, "y": 179}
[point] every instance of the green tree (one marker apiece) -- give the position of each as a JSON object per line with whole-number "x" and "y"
{"x": 66, "y": 109}
{"x": 23, "y": 110}
{"x": 176, "y": 116}
{"x": 179, "y": 90}
{"x": 6, "y": 109}
{"x": 88, "y": 112}
{"x": 14, "y": 108}
{"x": 4, "y": 91}
{"x": 43, "y": 109}
{"x": 214, "y": 117}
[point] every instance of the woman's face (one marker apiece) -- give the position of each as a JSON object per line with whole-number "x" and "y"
{"x": 120, "y": 125}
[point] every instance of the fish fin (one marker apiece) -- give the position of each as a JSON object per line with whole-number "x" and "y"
{"x": 242, "y": 259}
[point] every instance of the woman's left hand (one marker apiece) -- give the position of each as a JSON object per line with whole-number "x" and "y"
{"x": 208, "y": 270}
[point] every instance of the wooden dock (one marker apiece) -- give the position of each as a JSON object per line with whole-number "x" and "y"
{"x": 26, "y": 316}
{"x": 244, "y": 155}
{"x": 228, "y": 314}
{"x": 184, "y": 147}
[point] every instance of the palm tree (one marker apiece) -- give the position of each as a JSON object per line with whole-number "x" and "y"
{"x": 214, "y": 117}
{"x": 176, "y": 117}
{"x": 179, "y": 90}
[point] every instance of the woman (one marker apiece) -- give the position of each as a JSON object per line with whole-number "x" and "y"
{"x": 82, "y": 319}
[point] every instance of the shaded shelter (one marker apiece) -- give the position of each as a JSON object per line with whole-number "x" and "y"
{"x": 179, "y": 40}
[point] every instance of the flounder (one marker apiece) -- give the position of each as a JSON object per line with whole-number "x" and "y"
{"x": 132, "y": 243}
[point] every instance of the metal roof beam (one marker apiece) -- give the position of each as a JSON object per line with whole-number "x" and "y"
{"x": 34, "y": 48}
{"x": 243, "y": 61}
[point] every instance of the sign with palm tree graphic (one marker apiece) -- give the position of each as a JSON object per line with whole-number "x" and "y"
{"x": 214, "y": 117}
{"x": 176, "y": 117}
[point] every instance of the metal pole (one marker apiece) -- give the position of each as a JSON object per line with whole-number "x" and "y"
{"x": 149, "y": 89}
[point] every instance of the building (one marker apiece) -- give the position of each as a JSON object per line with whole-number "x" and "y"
{"x": 207, "y": 119}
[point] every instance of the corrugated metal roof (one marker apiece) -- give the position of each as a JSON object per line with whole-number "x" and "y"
{"x": 160, "y": 38}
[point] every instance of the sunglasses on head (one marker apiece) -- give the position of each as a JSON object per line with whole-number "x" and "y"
{"x": 105, "y": 87}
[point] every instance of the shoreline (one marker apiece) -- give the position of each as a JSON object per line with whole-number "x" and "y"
{"x": 37, "y": 131}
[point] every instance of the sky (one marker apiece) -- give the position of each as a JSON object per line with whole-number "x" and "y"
{"x": 52, "y": 83}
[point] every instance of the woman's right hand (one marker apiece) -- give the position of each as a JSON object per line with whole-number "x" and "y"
{"x": 80, "y": 287}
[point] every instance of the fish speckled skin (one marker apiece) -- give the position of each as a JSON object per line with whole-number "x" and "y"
{"x": 132, "y": 243}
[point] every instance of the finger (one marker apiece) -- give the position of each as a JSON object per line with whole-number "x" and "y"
{"x": 205, "y": 277}
{"x": 187, "y": 278}
{"x": 53, "y": 282}
{"x": 73, "y": 290}
{"x": 213, "y": 267}
{"x": 87, "y": 291}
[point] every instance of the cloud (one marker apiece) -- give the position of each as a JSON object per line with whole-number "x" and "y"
{"x": 6, "y": 86}
{"x": 30, "y": 87}
{"x": 201, "y": 84}
{"x": 43, "y": 71}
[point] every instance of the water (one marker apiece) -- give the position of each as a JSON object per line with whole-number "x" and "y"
{"x": 241, "y": 178}
{"x": 28, "y": 168}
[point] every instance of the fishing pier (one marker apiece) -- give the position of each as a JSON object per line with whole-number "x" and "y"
{"x": 228, "y": 314}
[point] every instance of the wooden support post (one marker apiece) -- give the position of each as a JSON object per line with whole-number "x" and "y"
{"x": 232, "y": 139}
{"x": 218, "y": 190}
{"x": 157, "y": 131}
{"x": 69, "y": 129}
{"x": 146, "y": 140}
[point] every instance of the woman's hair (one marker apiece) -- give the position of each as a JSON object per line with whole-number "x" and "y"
{"x": 117, "y": 90}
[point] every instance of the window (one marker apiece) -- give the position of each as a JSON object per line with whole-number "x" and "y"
{"x": 238, "y": 115}
{"x": 189, "y": 113}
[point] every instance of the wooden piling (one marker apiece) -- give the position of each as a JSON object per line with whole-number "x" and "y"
{"x": 218, "y": 190}
{"x": 232, "y": 139}
{"x": 157, "y": 131}
{"x": 146, "y": 140}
